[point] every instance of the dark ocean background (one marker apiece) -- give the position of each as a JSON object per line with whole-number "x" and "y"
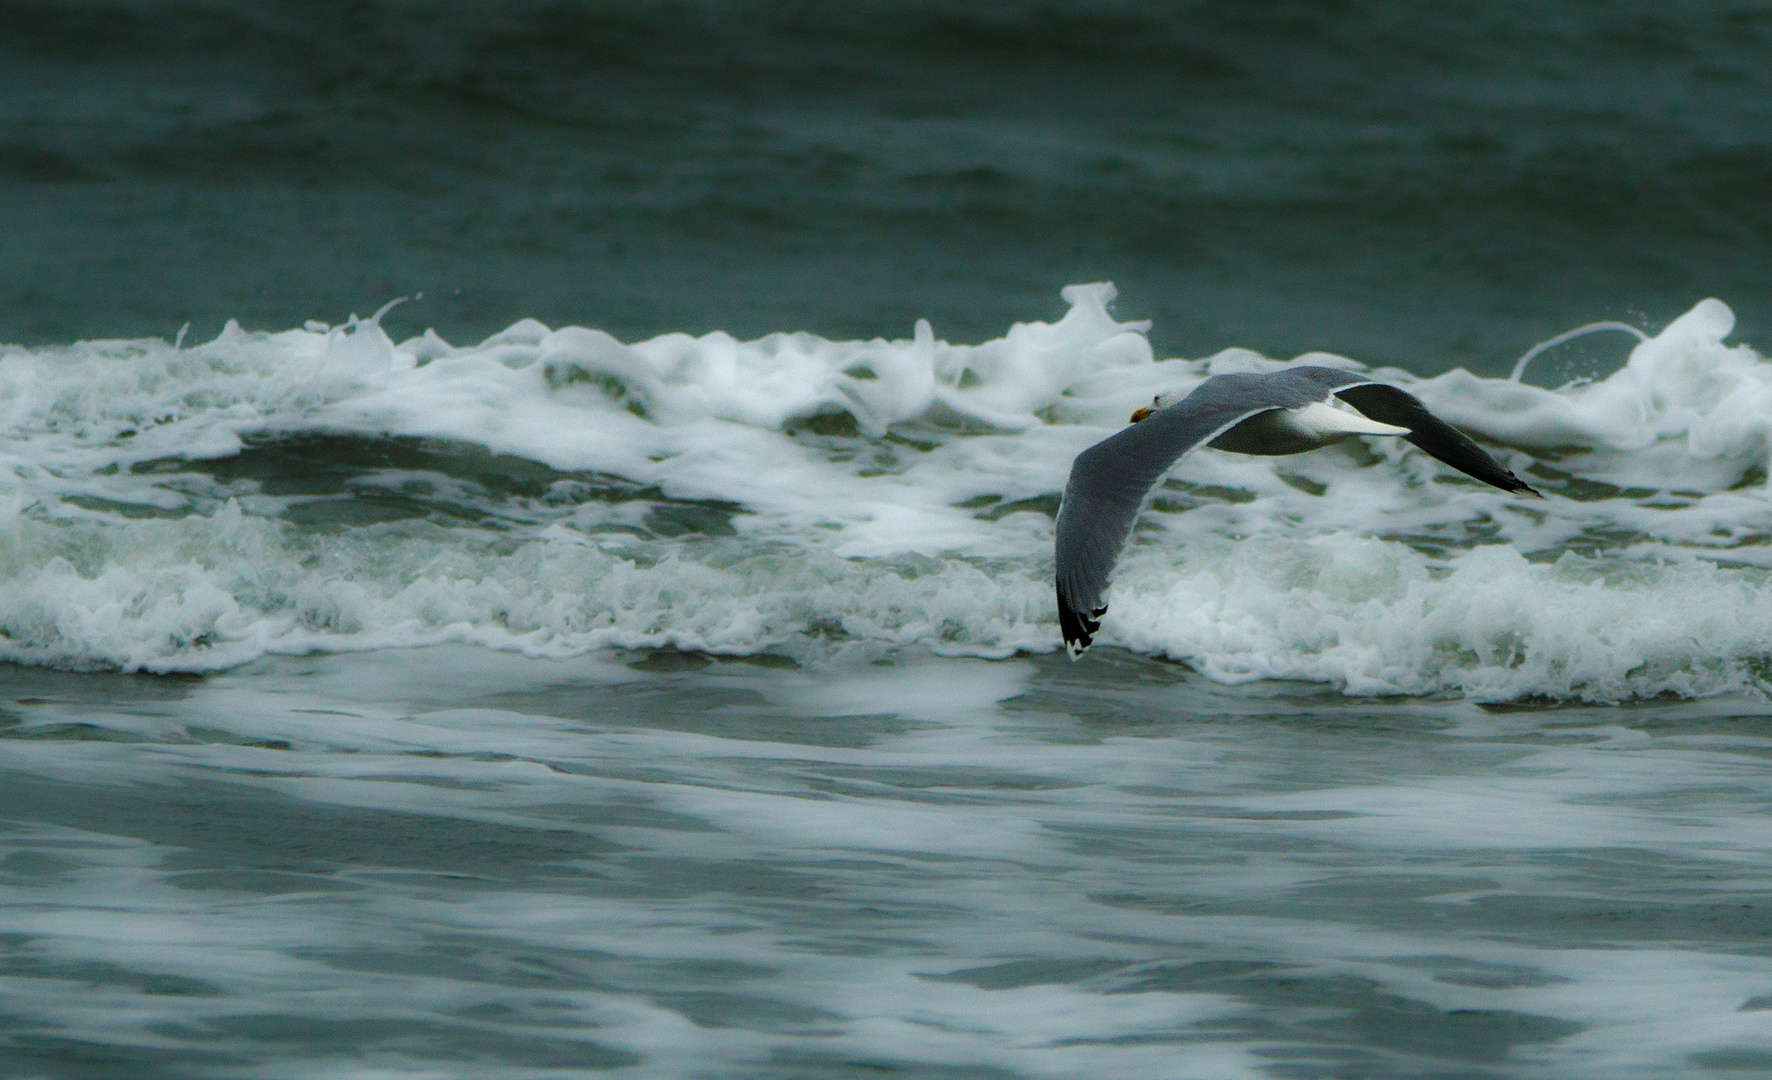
{"x": 1429, "y": 184}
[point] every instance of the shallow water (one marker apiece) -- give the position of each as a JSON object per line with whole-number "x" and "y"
{"x": 454, "y": 862}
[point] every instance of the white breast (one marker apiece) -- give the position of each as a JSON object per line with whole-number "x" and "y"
{"x": 1294, "y": 431}
{"x": 1324, "y": 423}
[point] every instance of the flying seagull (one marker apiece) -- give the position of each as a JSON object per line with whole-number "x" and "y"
{"x": 1283, "y": 412}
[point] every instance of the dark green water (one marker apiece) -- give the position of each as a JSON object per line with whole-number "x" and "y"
{"x": 1429, "y": 185}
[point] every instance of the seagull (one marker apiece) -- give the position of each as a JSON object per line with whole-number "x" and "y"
{"x": 1283, "y": 412}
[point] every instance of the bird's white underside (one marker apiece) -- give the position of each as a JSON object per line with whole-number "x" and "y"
{"x": 1321, "y": 422}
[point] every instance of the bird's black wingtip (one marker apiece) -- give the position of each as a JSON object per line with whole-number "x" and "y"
{"x": 1516, "y": 486}
{"x": 1079, "y": 629}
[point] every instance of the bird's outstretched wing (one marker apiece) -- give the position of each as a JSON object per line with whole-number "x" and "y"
{"x": 1109, "y": 481}
{"x": 1436, "y": 438}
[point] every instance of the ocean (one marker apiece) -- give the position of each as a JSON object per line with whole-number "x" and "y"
{"x": 526, "y": 542}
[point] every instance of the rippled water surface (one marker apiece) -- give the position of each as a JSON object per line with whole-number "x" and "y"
{"x": 452, "y": 862}
{"x": 1436, "y": 184}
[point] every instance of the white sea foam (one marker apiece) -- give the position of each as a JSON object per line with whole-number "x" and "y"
{"x": 872, "y": 495}
{"x": 1552, "y": 893}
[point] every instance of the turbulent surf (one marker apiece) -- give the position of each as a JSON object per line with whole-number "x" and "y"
{"x": 557, "y": 491}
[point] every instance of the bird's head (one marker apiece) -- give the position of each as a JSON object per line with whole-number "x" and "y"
{"x": 1158, "y": 404}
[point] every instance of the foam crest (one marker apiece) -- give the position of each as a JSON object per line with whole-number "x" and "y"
{"x": 768, "y": 383}
{"x": 1685, "y": 410}
{"x": 205, "y": 593}
{"x": 1372, "y": 617}
{"x": 553, "y": 491}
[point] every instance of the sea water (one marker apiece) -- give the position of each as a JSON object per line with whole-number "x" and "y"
{"x": 635, "y": 654}
{"x": 693, "y": 706}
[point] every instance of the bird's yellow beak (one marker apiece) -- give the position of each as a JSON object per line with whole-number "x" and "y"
{"x": 1140, "y": 415}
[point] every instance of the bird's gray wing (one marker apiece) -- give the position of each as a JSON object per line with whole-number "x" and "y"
{"x": 1109, "y": 481}
{"x": 1389, "y": 405}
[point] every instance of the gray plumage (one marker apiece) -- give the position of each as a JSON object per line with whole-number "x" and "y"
{"x": 1109, "y": 481}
